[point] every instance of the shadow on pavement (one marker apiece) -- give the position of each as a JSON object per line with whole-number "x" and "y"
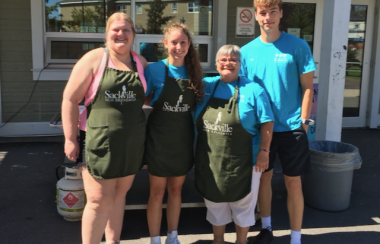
{"x": 28, "y": 209}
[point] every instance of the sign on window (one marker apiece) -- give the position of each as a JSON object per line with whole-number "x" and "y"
{"x": 245, "y": 22}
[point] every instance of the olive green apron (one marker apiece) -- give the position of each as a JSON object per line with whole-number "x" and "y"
{"x": 115, "y": 133}
{"x": 223, "y": 157}
{"x": 170, "y": 130}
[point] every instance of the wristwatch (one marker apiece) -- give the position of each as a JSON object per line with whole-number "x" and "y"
{"x": 308, "y": 121}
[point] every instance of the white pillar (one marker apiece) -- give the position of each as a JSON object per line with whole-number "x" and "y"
{"x": 37, "y": 24}
{"x": 336, "y": 18}
{"x": 375, "y": 79}
{"x": 221, "y": 25}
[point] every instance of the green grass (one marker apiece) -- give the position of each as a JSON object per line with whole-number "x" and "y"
{"x": 353, "y": 77}
{"x": 354, "y": 72}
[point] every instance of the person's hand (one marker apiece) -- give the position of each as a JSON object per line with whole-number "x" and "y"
{"x": 262, "y": 161}
{"x": 72, "y": 149}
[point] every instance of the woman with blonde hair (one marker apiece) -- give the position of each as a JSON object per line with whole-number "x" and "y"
{"x": 176, "y": 83}
{"x": 112, "y": 127}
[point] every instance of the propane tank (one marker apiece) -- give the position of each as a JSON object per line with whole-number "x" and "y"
{"x": 71, "y": 198}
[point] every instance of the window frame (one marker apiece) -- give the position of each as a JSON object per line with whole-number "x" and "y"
{"x": 122, "y": 9}
{"x": 195, "y": 6}
{"x": 139, "y": 7}
{"x": 44, "y": 69}
{"x": 49, "y": 40}
{"x": 196, "y": 40}
{"x": 175, "y": 8}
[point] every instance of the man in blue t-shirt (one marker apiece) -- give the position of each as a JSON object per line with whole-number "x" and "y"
{"x": 283, "y": 65}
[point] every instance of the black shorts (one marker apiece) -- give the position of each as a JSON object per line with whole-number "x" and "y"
{"x": 292, "y": 148}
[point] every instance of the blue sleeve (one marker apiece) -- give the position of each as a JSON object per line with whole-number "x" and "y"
{"x": 243, "y": 67}
{"x": 264, "y": 109}
{"x": 208, "y": 87}
{"x": 305, "y": 58}
{"x": 155, "y": 78}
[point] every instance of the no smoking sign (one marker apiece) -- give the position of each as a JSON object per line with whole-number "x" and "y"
{"x": 245, "y": 23}
{"x": 246, "y": 15}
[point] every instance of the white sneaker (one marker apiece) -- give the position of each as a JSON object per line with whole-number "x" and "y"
{"x": 172, "y": 238}
{"x": 155, "y": 240}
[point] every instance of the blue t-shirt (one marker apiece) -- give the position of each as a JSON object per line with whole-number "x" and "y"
{"x": 276, "y": 67}
{"x": 253, "y": 104}
{"x": 155, "y": 77}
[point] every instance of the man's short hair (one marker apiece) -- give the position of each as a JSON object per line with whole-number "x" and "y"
{"x": 267, "y": 3}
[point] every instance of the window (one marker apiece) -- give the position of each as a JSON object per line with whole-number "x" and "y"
{"x": 86, "y": 16}
{"x": 138, "y": 8}
{"x": 153, "y": 52}
{"x": 193, "y": 7}
{"x": 122, "y": 8}
{"x": 174, "y": 7}
{"x": 69, "y": 50}
{"x": 73, "y": 28}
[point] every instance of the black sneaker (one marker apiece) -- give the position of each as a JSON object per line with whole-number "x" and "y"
{"x": 265, "y": 236}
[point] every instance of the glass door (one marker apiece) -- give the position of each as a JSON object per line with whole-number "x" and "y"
{"x": 300, "y": 19}
{"x": 358, "y": 63}
{"x": 152, "y": 16}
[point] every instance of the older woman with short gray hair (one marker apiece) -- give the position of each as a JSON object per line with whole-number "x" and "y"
{"x": 234, "y": 125}
{"x": 228, "y": 50}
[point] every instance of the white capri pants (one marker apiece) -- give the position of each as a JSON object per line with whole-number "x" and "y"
{"x": 242, "y": 212}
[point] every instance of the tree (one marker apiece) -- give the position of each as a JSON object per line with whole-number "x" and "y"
{"x": 301, "y": 16}
{"x": 52, "y": 23}
{"x": 156, "y": 18}
{"x": 352, "y": 53}
{"x": 90, "y": 17}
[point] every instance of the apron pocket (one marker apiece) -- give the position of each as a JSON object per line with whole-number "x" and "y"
{"x": 209, "y": 176}
{"x": 97, "y": 151}
{"x": 156, "y": 135}
{"x": 97, "y": 138}
{"x": 202, "y": 172}
{"x": 223, "y": 179}
{"x": 140, "y": 133}
{"x": 240, "y": 176}
{"x": 139, "y": 147}
{"x": 240, "y": 165}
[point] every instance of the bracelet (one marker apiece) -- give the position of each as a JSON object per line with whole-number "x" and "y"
{"x": 263, "y": 149}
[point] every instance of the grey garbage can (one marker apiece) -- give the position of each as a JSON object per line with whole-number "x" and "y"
{"x": 328, "y": 186}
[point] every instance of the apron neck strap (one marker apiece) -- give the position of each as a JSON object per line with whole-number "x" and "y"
{"x": 134, "y": 65}
{"x": 167, "y": 69}
{"x": 234, "y": 97}
{"x": 108, "y": 57}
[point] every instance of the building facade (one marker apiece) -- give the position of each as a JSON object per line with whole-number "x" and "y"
{"x": 40, "y": 41}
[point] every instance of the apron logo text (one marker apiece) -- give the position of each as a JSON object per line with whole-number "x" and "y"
{"x": 176, "y": 108}
{"x": 223, "y": 129}
{"x": 121, "y": 96}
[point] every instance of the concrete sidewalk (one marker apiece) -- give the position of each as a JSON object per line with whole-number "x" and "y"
{"x": 28, "y": 210}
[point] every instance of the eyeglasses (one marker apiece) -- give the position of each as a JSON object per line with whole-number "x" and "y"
{"x": 224, "y": 61}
